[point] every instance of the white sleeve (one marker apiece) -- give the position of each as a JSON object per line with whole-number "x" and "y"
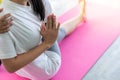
{"x": 48, "y": 8}
{"x": 7, "y": 49}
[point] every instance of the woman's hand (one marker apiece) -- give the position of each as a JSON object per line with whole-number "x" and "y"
{"x": 5, "y": 22}
{"x": 49, "y": 31}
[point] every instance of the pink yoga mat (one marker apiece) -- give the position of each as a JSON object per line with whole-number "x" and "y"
{"x": 84, "y": 47}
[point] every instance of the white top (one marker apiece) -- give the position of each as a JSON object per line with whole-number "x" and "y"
{"x": 25, "y": 35}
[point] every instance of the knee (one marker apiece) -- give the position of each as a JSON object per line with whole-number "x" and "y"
{"x": 54, "y": 63}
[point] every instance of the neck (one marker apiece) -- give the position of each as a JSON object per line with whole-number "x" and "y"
{"x": 22, "y": 2}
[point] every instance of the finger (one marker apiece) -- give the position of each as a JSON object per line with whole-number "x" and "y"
{"x": 51, "y": 22}
{"x": 54, "y": 22}
{"x": 5, "y": 23}
{"x": 9, "y": 25}
{"x": 1, "y": 9}
{"x": 6, "y": 27}
{"x": 3, "y": 31}
{"x": 43, "y": 26}
{"x": 3, "y": 18}
{"x": 58, "y": 26}
{"x": 47, "y": 23}
{"x": 10, "y": 20}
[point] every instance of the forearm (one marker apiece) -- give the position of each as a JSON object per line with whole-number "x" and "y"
{"x": 22, "y": 60}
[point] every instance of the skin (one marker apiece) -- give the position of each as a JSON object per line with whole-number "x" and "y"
{"x": 83, "y": 5}
{"x": 49, "y": 33}
{"x": 5, "y": 23}
{"x": 69, "y": 25}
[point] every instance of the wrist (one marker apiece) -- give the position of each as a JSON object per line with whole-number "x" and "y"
{"x": 46, "y": 45}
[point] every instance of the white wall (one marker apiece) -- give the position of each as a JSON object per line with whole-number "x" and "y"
{"x": 61, "y": 6}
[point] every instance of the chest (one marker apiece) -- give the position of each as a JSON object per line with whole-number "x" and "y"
{"x": 26, "y": 31}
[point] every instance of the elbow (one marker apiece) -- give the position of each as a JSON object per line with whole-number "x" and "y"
{"x": 10, "y": 66}
{"x": 11, "y": 70}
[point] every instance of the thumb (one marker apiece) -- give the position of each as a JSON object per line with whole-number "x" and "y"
{"x": 42, "y": 26}
{"x": 1, "y": 9}
{"x": 58, "y": 25}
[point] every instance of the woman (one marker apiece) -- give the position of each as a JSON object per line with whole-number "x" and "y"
{"x": 27, "y": 50}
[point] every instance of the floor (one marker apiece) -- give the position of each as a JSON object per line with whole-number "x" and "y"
{"x": 102, "y": 70}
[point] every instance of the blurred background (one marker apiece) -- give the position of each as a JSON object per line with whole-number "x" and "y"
{"x": 61, "y": 6}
